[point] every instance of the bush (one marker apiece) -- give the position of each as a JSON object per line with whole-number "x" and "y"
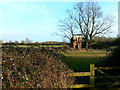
{"x": 33, "y": 68}
{"x": 113, "y": 59}
{"x": 99, "y": 45}
{"x": 117, "y": 42}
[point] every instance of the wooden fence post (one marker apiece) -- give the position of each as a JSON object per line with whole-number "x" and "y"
{"x": 92, "y": 74}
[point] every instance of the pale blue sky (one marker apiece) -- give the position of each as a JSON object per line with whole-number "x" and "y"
{"x": 38, "y": 20}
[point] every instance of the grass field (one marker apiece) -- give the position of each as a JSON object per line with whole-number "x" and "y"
{"x": 80, "y": 61}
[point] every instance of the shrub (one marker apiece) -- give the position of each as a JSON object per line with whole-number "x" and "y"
{"x": 117, "y": 42}
{"x": 33, "y": 68}
{"x": 99, "y": 45}
{"x": 113, "y": 59}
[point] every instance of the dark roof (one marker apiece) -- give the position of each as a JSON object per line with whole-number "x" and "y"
{"x": 77, "y": 34}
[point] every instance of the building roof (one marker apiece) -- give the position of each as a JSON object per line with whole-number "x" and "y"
{"x": 77, "y": 34}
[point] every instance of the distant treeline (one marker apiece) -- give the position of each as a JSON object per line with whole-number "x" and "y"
{"x": 27, "y": 41}
{"x": 97, "y": 43}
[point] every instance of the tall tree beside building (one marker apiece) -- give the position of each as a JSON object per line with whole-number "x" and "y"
{"x": 88, "y": 19}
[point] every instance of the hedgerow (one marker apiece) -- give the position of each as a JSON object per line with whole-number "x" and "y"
{"x": 33, "y": 68}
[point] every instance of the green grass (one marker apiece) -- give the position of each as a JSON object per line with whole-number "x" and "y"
{"x": 80, "y": 61}
{"x": 87, "y": 53}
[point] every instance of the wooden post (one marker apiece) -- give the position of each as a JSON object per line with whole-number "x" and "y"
{"x": 92, "y": 74}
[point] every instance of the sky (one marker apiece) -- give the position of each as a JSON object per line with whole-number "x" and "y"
{"x": 38, "y": 21}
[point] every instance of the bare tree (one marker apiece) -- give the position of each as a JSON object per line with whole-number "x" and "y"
{"x": 27, "y": 40}
{"x": 88, "y": 18}
{"x": 23, "y": 42}
{"x": 67, "y": 28}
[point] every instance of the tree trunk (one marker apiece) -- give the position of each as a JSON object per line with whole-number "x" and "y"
{"x": 86, "y": 45}
{"x": 86, "y": 42}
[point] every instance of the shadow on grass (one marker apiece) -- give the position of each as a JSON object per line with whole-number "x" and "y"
{"x": 81, "y": 64}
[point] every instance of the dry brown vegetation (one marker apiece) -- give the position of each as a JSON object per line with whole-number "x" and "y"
{"x": 33, "y": 68}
